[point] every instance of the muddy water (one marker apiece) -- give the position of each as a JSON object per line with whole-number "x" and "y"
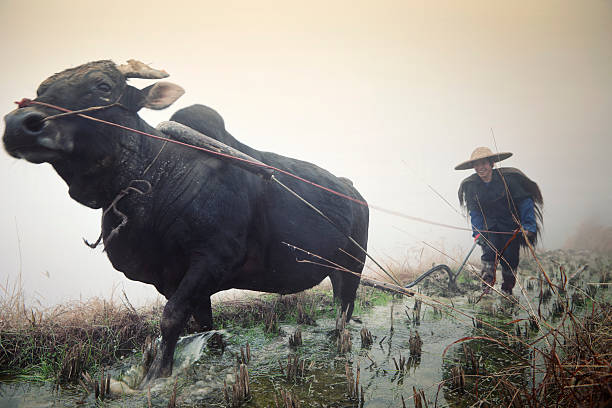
{"x": 200, "y": 371}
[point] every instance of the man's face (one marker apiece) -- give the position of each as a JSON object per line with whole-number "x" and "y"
{"x": 484, "y": 169}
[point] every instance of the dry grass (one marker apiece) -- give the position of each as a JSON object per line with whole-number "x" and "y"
{"x": 63, "y": 341}
{"x": 251, "y": 311}
{"x": 582, "y": 375}
{"x": 573, "y": 370}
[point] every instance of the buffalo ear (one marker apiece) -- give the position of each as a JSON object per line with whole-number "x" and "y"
{"x": 161, "y": 95}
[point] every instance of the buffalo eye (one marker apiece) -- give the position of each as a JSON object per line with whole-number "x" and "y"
{"x": 104, "y": 87}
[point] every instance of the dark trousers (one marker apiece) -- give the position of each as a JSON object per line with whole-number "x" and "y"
{"x": 508, "y": 259}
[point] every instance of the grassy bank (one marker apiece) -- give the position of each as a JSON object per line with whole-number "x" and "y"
{"x": 59, "y": 343}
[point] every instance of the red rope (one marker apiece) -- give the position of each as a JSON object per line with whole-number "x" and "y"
{"x": 26, "y": 102}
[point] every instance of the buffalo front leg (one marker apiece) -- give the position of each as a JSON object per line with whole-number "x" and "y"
{"x": 172, "y": 323}
{"x": 178, "y": 309}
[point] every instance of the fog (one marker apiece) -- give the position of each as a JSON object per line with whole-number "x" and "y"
{"x": 391, "y": 94}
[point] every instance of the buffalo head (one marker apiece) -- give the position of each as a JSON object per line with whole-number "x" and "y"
{"x": 34, "y": 132}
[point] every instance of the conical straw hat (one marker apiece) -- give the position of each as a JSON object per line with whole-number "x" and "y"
{"x": 482, "y": 153}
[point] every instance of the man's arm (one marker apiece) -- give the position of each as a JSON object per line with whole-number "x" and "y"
{"x": 527, "y": 214}
{"x": 477, "y": 221}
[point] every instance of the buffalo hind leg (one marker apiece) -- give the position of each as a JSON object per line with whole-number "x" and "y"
{"x": 344, "y": 284}
{"x": 203, "y": 314}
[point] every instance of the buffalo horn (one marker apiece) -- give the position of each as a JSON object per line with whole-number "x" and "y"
{"x": 137, "y": 69}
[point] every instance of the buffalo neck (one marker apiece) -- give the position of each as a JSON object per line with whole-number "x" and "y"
{"x": 138, "y": 157}
{"x": 120, "y": 157}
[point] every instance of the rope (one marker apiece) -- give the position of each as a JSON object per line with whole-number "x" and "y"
{"x": 315, "y": 209}
{"x": 26, "y": 102}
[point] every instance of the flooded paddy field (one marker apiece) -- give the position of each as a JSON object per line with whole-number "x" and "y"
{"x": 426, "y": 350}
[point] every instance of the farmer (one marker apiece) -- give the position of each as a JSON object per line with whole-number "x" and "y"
{"x": 502, "y": 203}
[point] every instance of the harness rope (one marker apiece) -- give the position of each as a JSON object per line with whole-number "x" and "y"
{"x": 66, "y": 112}
{"x": 26, "y": 102}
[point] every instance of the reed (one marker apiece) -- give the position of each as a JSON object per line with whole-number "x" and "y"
{"x": 562, "y": 351}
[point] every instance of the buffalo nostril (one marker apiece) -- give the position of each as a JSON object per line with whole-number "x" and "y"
{"x": 33, "y": 123}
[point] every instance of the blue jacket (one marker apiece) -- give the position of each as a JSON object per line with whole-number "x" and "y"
{"x": 491, "y": 207}
{"x": 526, "y": 212}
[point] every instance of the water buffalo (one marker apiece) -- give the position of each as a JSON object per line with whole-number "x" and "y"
{"x": 189, "y": 223}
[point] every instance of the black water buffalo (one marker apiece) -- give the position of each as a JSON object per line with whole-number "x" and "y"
{"x": 187, "y": 222}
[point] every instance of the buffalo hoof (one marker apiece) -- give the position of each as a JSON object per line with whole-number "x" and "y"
{"x": 157, "y": 370}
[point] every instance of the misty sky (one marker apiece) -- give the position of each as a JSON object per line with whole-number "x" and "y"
{"x": 391, "y": 94}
